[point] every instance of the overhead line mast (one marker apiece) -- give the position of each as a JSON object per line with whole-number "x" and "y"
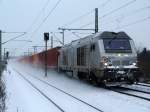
{"x": 69, "y": 29}
{"x": 96, "y": 20}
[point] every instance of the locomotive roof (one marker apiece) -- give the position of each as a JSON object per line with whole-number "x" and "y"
{"x": 99, "y": 35}
{"x": 107, "y": 34}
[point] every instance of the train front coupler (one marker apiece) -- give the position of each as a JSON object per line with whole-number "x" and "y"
{"x": 117, "y": 76}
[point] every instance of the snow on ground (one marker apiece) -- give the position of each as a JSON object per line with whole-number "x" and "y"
{"x": 21, "y": 97}
{"x": 24, "y": 97}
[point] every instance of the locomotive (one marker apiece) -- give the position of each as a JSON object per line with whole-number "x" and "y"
{"x": 103, "y": 58}
{"x": 109, "y": 58}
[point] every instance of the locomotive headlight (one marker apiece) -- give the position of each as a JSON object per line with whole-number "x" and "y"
{"x": 106, "y": 61}
{"x": 117, "y": 66}
{"x": 106, "y": 64}
{"x": 134, "y": 64}
{"x": 119, "y": 54}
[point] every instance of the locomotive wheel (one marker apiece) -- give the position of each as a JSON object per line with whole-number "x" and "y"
{"x": 80, "y": 75}
{"x": 132, "y": 81}
{"x": 93, "y": 79}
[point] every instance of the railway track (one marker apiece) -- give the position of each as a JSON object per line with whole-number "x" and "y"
{"x": 62, "y": 91}
{"x": 131, "y": 92}
{"x": 136, "y": 89}
{"x": 97, "y": 109}
{"x": 44, "y": 95}
{"x": 143, "y": 84}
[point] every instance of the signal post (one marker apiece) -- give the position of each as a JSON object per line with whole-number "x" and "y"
{"x": 46, "y": 38}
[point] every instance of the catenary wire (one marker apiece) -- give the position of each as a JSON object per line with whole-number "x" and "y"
{"x": 131, "y": 13}
{"x": 44, "y": 20}
{"x": 50, "y": 12}
{"x": 14, "y": 38}
{"x": 86, "y": 14}
{"x": 133, "y": 23}
{"x": 111, "y": 12}
{"x": 12, "y": 32}
{"x": 38, "y": 15}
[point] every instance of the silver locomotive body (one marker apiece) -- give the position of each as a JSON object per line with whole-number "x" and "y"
{"x": 105, "y": 57}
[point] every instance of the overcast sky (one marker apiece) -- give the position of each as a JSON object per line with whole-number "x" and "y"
{"x": 28, "y": 15}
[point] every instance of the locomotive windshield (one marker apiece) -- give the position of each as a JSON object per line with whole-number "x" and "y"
{"x": 117, "y": 45}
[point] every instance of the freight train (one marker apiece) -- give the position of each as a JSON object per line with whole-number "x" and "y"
{"x": 103, "y": 58}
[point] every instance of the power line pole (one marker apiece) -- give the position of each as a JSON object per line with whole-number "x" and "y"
{"x": 4, "y": 53}
{"x": 51, "y": 42}
{"x": 96, "y": 20}
{"x": 35, "y": 49}
{"x": 63, "y": 39}
{"x": 0, "y": 53}
{"x": 63, "y": 35}
{"x": 28, "y": 52}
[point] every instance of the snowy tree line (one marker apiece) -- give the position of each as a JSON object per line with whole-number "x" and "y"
{"x": 2, "y": 96}
{"x": 144, "y": 64}
{"x": 2, "y": 90}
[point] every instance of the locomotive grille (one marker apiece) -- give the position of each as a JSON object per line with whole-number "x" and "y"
{"x": 121, "y": 62}
{"x": 125, "y": 62}
{"x": 116, "y": 63}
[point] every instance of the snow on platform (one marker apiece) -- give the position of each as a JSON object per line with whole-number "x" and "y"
{"x": 22, "y": 96}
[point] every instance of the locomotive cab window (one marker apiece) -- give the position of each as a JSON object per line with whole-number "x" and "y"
{"x": 118, "y": 45}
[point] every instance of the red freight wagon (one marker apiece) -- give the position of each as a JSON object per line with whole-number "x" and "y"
{"x": 39, "y": 58}
{"x": 52, "y": 58}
